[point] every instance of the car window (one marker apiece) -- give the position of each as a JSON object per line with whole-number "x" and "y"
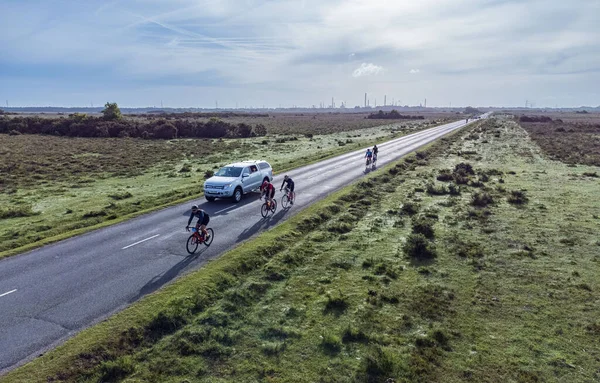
{"x": 253, "y": 169}
{"x": 229, "y": 171}
{"x": 264, "y": 165}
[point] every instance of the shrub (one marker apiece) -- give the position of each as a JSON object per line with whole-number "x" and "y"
{"x": 112, "y": 371}
{"x": 380, "y": 366}
{"x": 517, "y": 197}
{"x": 336, "y": 304}
{"x": 464, "y": 168}
{"x": 208, "y": 174}
{"x": 17, "y": 212}
{"x": 111, "y": 111}
{"x": 417, "y": 246}
{"x": 331, "y": 343}
{"x": 481, "y": 199}
{"x": 272, "y": 348}
{"x": 444, "y": 176}
{"x": 432, "y": 189}
{"x": 352, "y": 334}
{"x": 423, "y": 226}
{"x": 409, "y": 208}
{"x": 120, "y": 196}
{"x": 14, "y": 133}
{"x": 186, "y": 168}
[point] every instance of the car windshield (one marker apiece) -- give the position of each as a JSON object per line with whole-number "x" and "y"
{"x": 229, "y": 171}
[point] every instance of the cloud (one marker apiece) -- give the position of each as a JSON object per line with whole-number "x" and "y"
{"x": 369, "y": 69}
{"x": 547, "y": 47}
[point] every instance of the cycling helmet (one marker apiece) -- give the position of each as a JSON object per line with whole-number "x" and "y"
{"x": 264, "y": 185}
{"x": 286, "y": 177}
{"x": 194, "y": 207}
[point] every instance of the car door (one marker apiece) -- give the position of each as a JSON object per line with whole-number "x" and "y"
{"x": 255, "y": 178}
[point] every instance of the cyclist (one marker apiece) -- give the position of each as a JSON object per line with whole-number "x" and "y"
{"x": 203, "y": 219}
{"x": 289, "y": 189}
{"x": 268, "y": 190}
{"x": 375, "y": 151}
{"x": 369, "y": 156}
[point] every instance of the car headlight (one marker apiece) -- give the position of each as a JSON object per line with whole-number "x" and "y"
{"x": 227, "y": 186}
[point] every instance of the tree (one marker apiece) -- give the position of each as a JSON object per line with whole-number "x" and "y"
{"x": 111, "y": 111}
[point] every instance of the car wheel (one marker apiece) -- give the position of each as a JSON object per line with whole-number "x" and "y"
{"x": 237, "y": 195}
{"x": 210, "y": 199}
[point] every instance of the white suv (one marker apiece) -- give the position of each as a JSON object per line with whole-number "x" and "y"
{"x": 235, "y": 180}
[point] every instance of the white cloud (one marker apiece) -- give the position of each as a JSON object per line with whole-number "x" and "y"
{"x": 367, "y": 70}
{"x": 312, "y": 48}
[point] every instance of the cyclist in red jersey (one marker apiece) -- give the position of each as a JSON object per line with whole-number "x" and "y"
{"x": 268, "y": 190}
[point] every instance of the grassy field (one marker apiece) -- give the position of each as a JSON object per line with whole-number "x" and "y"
{"x": 475, "y": 260}
{"x": 53, "y": 186}
{"x": 570, "y": 137}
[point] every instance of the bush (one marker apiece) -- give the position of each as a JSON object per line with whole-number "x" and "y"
{"x": 432, "y": 189}
{"x": 464, "y": 168}
{"x": 444, "y": 176}
{"x": 14, "y": 133}
{"x": 517, "y": 197}
{"x": 409, "y": 209}
{"x": 120, "y": 196}
{"x": 417, "y": 246}
{"x": 208, "y": 174}
{"x": 423, "y": 226}
{"x": 380, "y": 366}
{"x": 17, "y": 212}
{"x": 481, "y": 199}
{"x": 336, "y": 304}
{"x": 331, "y": 343}
{"x": 111, "y": 111}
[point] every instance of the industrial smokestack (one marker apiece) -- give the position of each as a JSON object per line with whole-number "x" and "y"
{"x": 365, "y": 100}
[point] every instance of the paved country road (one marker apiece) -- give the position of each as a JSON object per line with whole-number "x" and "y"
{"x": 49, "y": 294}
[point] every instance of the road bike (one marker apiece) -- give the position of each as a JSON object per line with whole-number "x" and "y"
{"x": 368, "y": 161}
{"x": 289, "y": 197}
{"x": 198, "y": 238}
{"x": 268, "y": 206}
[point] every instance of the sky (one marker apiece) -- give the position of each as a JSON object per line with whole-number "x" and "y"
{"x": 250, "y": 53}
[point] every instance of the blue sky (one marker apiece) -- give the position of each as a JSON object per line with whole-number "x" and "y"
{"x": 251, "y": 53}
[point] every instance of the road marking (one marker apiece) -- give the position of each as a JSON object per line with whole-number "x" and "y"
{"x": 9, "y": 292}
{"x": 138, "y": 242}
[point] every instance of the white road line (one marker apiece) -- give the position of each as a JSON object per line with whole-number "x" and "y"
{"x": 9, "y": 292}
{"x": 138, "y": 242}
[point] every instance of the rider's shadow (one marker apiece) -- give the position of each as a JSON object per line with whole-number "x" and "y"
{"x": 263, "y": 223}
{"x": 160, "y": 280}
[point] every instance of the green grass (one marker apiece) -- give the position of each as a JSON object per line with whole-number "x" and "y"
{"x": 509, "y": 297}
{"x": 73, "y": 185}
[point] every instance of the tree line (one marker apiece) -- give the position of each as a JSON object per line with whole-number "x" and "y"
{"x": 112, "y": 124}
{"x": 393, "y": 115}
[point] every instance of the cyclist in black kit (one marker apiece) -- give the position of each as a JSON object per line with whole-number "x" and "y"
{"x": 375, "y": 151}
{"x": 289, "y": 189}
{"x": 203, "y": 219}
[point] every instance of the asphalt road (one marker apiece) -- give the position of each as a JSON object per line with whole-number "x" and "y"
{"x": 49, "y": 294}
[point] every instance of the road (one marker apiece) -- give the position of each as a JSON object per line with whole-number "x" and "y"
{"x": 49, "y": 294}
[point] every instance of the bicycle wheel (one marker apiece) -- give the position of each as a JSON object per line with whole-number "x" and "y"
{"x": 192, "y": 244}
{"x": 284, "y": 201}
{"x": 264, "y": 210}
{"x": 274, "y": 206}
{"x": 211, "y": 235}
